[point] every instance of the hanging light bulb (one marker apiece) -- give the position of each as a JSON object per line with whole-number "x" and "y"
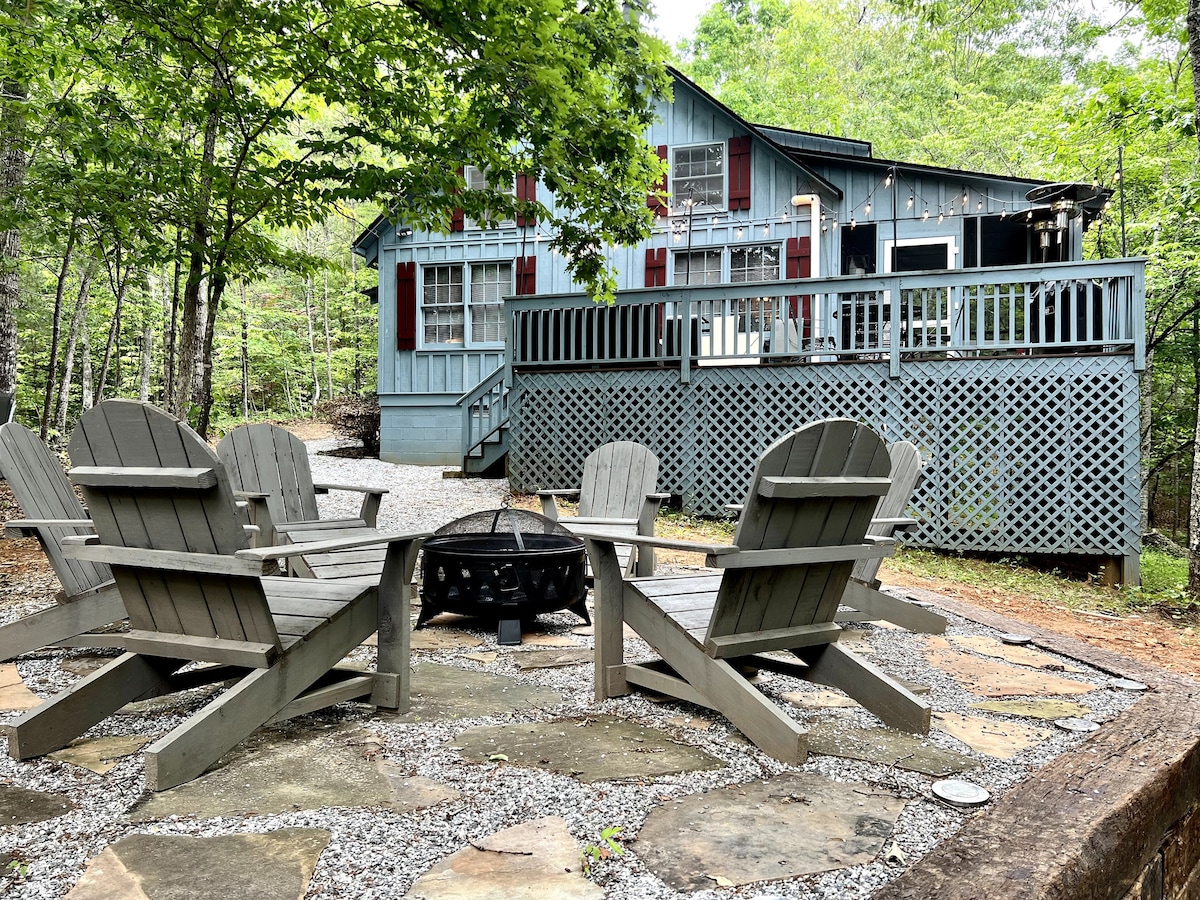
{"x": 911, "y": 200}
{"x": 852, "y": 223}
{"x": 714, "y": 220}
{"x": 1004, "y": 212}
{"x": 740, "y": 231}
{"x": 677, "y": 236}
{"x": 783, "y": 218}
{"x": 940, "y": 217}
{"x": 766, "y": 230}
{"x": 950, "y": 211}
{"x": 979, "y": 206}
{"x": 887, "y": 182}
{"x": 1029, "y": 216}
{"x": 926, "y": 214}
{"x": 867, "y": 210}
{"x": 965, "y": 198}
{"x": 824, "y": 229}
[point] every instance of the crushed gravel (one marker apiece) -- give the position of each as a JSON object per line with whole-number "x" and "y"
{"x": 377, "y": 852}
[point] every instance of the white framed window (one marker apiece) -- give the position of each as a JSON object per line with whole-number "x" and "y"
{"x": 442, "y": 310}
{"x": 478, "y": 180}
{"x": 754, "y": 263}
{"x": 698, "y": 267}
{"x": 463, "y": 305}
{"x": 698, "y": 174}
{"x": 917, "y": 254}
{"x": 490, "y": 284}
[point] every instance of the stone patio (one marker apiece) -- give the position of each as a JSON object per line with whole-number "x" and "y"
{"x": 506, "y": 780}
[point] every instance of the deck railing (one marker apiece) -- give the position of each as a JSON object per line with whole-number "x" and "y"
{"x": 484, "y": 410}
{"x": 1096, "y": 306}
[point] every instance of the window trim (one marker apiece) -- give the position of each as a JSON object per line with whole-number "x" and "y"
{"x": 464, "y": 266}
{"x": 677, "y": 199}
{"x": 946, "y": 240}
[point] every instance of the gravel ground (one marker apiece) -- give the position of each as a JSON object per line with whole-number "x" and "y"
{"x": 362, "y": 860}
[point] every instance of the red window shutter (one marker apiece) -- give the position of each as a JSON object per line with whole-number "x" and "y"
{"x": 739, "y": 172}
{"x": 799, "y": 265}
{"x": 653, "y": 201}
{"x": 406, "y": 306}
{"x": 456, "y": 216}
{"x": 526, "y": 190}
{"x": 656, "y": 267}
{"x": 526, "y": 275}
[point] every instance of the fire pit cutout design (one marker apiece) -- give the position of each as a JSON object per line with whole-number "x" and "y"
{"x": 509, "y": 564}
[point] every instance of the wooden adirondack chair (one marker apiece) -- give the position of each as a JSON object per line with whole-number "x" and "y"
{"x": 803, "y": 527}
{"x": 270, "y": 463}
{"x": 617, "y": 495}
{"x": 89, "y": 597}
{"x": 196, "y": 592}
{"x": 862, "y": 591}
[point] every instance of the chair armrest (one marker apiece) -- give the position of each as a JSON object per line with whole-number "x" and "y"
{"x": 899, "y": 523}
{"x": 88, "y": 547}
{"x": 640, "y": 540}
{"x": 550, "y": 502}
{"x": 357, "y": 488}
{"x": 735, "y": 507}
{"x": 798, "y": 556}
{"x": 21, "y": 528}
{"x": 286, "y": 550}
{"x": 250, "y": 495}
{"x": 649, "y": 512}
{"x": 372, "y": 497}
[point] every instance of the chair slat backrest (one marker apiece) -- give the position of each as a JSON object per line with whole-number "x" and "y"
{"x": 8, "y": 407}
{"x": 41, "y": 488}
{"x": 906, "y": 476}
{"x": 271, "y": 460}
{"x": 616, "y": 479}
{"x": 123, "y": 433}
{"x": 761, "y": 599}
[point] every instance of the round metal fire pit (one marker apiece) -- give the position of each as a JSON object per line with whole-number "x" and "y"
{"x": 508, "y": 564}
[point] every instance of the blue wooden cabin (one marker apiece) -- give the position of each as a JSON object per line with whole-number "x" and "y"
{"x": 791, "y": 276}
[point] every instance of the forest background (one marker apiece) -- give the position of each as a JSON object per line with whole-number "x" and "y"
{"x": 180, "y": 183}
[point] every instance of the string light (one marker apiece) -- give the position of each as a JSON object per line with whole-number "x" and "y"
{"x": 852, "y": 223}
{"x": 1004, "y": 212}
{"x": 979, "y": 206}
{"x": 766, "y": 230}
{"x": 940, "y": 217}
{"x": 740, "y": 232}
{"x": 887, "y": 182}
{"x": 911, "y": 201}
{"x": 965, "y": 198}
{"x": 867, "y": 210}
{"x": 926, "y": 214}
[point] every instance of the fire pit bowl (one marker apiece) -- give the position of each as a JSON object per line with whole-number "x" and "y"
{"x": 508, "y": 564}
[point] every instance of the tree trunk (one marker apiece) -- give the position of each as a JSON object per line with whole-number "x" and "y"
{"x": 114, "y": 332}
{"x": 147, "y": 363}
{"x": 77, "y": 324}
{"x": 245, "y": 356}
{"x": 1193, "y": 33}
{"x": 191, "y": 338}
{"x": 56, "y": 329}
{"x": 204, "y": 394}
{"x": 312, "y": 343}
{"x": 87, "y": 387}
{"x": 171, "y": 315}
{"x": 13, "y": 162}
{"x": 328, "y": 340}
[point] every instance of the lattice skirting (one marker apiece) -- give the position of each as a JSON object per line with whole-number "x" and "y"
{"x": 1024, "y": 455}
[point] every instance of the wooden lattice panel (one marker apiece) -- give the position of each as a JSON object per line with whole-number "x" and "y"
{"x": 1023, "y": 455}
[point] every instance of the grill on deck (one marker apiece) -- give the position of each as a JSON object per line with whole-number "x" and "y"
{"x": 508, "y": 564}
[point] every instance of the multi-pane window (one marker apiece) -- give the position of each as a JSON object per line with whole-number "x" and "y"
{"x": 490, "y": 283}
{"x": 698, "y": 175}
{"x": 698, "y": 267}
{"x": 754, "y": 263}
{"x": 478, "y": 180}
{"x": 474, "y": 316}
{"x": 442, "y": 304}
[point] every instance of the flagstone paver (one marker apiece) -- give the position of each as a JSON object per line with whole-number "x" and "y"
{"x": 550, "y": 659}
{"x": 100, "y": 755}
{"x": 600, "y": 748}
{"x": 1013, "y": 653}
{"x": 14, "y": 695}
{"x": 19, "y": 806}
{"x": 992, "y": 678}
{"x": 1035, "y": 709}
{"x": 886, "y": 747}
{"x": 278, "y": 771}
{"x": 447, "y": 692}
{"x": 536, "y": 860}
{"x": 818, "y": 699}
{"x": 784, "y": 826}
{"x": 433, "y": 637}
{"x": 1003, "y": 740}
{"x": 272, "y": 866}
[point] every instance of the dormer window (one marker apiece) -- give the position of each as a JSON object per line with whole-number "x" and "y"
{"x": 478, "y": 180}
{"x": 698, "y": 174}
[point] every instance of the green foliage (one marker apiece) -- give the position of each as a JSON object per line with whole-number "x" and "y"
{"x": 606, "y": 849}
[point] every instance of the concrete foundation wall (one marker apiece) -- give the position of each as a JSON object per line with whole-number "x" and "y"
{"x": 423, "y": 431}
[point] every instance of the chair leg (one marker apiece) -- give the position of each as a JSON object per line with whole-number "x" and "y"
{"x": 870, "y": 686}
{"x": 230, "y": 718}
{"x": 610, "y": 620}
{"x": 58, "y": 623}
{"x": 65, "y": 716}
